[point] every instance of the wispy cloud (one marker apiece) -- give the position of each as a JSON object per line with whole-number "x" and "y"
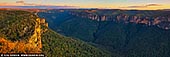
{"x": 24, "y": 3}
{"x": 153, "y": 5}
{"x": 144, "y": 6}
{"x": 19, "y": 1}
{"x": 30, "y": 4}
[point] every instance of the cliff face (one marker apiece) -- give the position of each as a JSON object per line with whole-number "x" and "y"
{"x": 130, "y": 35}
{"x": 31, "y": 45}
{"x": 160, "y": 19}
{"x": 25, "y": 32}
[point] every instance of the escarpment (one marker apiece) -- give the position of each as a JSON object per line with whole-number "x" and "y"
{"x": 160, "y": 19}
{"x": 23, "y": 34}
{"x": 31, "y": 45}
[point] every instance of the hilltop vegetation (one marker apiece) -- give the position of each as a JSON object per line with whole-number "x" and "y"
{"x": 57, "y": 45}
{"x": 24, "y": 32}
{"x": 16, "y": 32}
{"x": 16, "y": 25}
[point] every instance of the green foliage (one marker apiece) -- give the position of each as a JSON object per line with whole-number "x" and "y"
{"x": 55, "y": 45}
{"x": 127, "y": 40}
{"x": 19, "y": 25}
{"x": 78, "y": 27}
{"x": 16, "y": 25}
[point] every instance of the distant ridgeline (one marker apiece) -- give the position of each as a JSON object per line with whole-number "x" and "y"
{"x": 158, "y": 18}
{"x": 25, "y": 32}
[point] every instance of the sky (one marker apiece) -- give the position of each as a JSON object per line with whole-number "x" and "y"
{"x": 110, "y": 4}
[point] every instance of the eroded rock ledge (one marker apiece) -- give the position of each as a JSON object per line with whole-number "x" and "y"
{"x": 32, "y": 45}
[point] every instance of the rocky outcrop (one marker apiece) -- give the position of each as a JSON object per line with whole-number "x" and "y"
{"x": 31, "y": 45}
{"x": 159, "y": 21}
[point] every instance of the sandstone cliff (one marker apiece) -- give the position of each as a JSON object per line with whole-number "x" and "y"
{"x": 32, "y": 45}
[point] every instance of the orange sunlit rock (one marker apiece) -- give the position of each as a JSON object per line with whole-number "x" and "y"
{"x": 32, "y": 45}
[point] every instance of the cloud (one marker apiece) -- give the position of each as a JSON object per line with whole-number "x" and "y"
{"x": 24, "y": 3}
{"x": 30, "y": 4}
{"x": 153, "y": 5}
{"x": 145, "y": 6}
{"x": 20, "y": 2}
{"x": 135, "y": 7}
